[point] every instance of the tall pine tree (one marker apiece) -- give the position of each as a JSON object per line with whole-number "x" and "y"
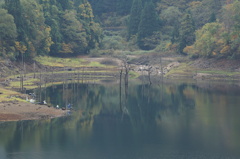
{"x": 148, "y": 25}
{"x": 124, "y": 7}
{"x": 187, "y": 32}
{"x": 14, "y": 8}
{"x": 135, "y": 17}
{"x": 65, "y": 4}
{"x": 8, "y": 32}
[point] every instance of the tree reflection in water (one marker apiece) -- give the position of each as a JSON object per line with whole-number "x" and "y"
{"x": 171, "y": 117}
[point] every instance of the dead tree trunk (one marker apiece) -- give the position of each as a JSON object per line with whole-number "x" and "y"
{"x": 127, "y": 69}
{"x": 149, "y": 74}
{"x": 40, "y": 86}
{"x": 161, "y": 68}
{"x": 120, "y": 90}
{"x": 34, "y": 68}
{"x": 21, "y": 81}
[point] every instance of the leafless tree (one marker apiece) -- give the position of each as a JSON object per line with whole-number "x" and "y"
{"x": 120, "y": 89}
{"x": 149, "y": 70}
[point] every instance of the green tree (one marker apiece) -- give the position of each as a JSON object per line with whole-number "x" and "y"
{"x": 103, "y": 6}
{"x": 85, "y": 12}
{"x": 38, "y": 33}
{"x": 220, "y": 39}
{"x": 171, "y": 17}
{"x": 204, "y": 11}
{"x": 187, "y": 32}
{"x": 73, "y": 32}
{"x": 124, "y": 6}
{"x": 56, "y": 35}
{"x": 148, "y": 25}
{"x": 15, "y": 9}
{"x": 8, "y": 31}
{"x": 65, "y": 4}
{"x": 52, "y": 19}
{"x": 231, "y": 20}
{"x": 209, "y": 40}
{"x": 92, "y": 29}
{"x": 135, "y": 18}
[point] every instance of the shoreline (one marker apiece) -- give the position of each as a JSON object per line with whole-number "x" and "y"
{"x": 16, "y": 108}
{"x": 13, "y": 106}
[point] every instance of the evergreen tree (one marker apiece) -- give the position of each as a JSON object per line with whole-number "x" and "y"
{"x": 14, "y": 8}
{"x": 171, "y": 17}
{"x": 93, "y": 30}
{"x": 187, "y": 32}
{"x": 103, "y": 6}
{"x": 8, "y": 32}
{"x": 52, "y": 14}
{"x": 212, "y": 18}
{"x": 135, "y": 17}
{"x": 55, "y": 35}
{"x": 74, "y": 35}
{"x": 65, "y": 4}
{"x": 148, "y": 25}
{"x": 7, "y": 26}
{"x": 124, "y": 7}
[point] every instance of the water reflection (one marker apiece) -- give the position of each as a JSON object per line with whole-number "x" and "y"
{"x": 172, "y": 120}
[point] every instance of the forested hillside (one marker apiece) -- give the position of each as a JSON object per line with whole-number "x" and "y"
{"x": 198, "y": 28}
{"x": 72, "y": 27}
{"x": 47, "y": 27}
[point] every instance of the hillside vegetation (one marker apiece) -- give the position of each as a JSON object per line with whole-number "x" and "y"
{"x": 68, "y": 28}
{"x": 47, "y": 27}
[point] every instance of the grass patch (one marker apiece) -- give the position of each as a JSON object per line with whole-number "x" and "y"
{"x": 67, "y": 62}
{"x": 59, "y": 62}
{"x": 186, "y": 69}
{"x": 183, "y": 69}
{"x": 133, "y": 74}
{"x": 8, "y": 95}
{"x": 219, "y": 72}
{"x": 135, "y": 52}
{"x": 26, "y": 83}
{"x": 96, "y": 64}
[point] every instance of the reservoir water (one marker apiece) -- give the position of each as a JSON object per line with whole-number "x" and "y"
{"x": 172, "y": 120}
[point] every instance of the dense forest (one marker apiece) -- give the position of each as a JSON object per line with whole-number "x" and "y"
{"x": 47, "y": 27}
{"x": 204, "y": 28}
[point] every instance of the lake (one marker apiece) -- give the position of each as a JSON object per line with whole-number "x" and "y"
{"x": 140, "y": 121}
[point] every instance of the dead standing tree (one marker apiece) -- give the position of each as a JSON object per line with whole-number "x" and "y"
{"x": 120, "y": 89}
{"x": 161, "y": 66}
{"x": 149, "y": 71}
{"x": 127, "y": 68}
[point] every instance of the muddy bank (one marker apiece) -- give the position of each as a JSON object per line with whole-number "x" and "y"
{"x": 15, "y": 111}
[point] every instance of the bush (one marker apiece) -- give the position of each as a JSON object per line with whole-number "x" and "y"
{"x": 163, "y": 46}
{"x": 113, "y": 42}
{"x": 94, "y": 53}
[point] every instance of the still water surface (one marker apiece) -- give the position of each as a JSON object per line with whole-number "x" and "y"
{"x": 166, "y": 121}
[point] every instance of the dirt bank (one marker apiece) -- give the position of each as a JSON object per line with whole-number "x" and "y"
{"x": 15, "y": 110}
